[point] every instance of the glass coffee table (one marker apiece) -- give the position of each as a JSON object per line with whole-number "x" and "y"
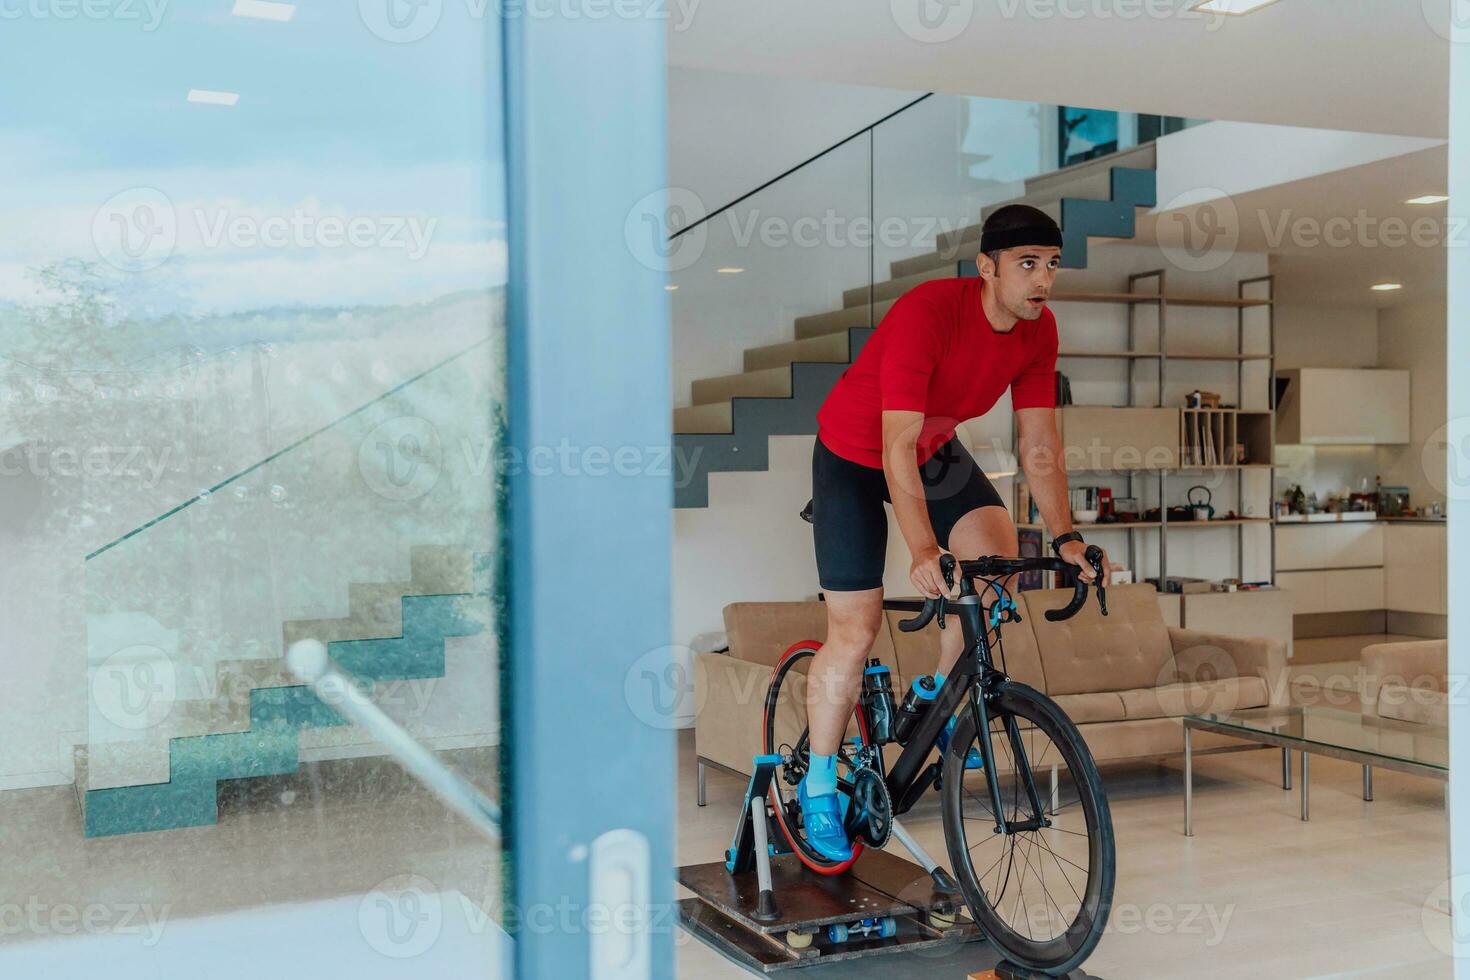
{"x": 1421, "y": 750}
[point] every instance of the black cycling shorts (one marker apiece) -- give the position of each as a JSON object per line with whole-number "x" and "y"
{"x": 851, "y": 527}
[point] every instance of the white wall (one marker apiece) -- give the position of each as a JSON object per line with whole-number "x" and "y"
{"x": 1319, "y": 336}
{"x": 1414, "y": 337}
{"x": 729, "y": 133}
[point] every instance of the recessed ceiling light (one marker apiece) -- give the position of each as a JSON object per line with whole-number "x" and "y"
{"x": 1234, "y": 8}
{"x": 670, "y": 288}
{"x": 729, "y": 270}
{"x": 206, "y": 97}
{"x": 1385, "y": 287}
{"x": 1428, "y": 199}
{"x": 264, "y": 10}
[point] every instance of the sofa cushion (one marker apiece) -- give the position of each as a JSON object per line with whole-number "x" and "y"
{"x": 761, "y": 631}
{"x": 918, "y": 653}
{"x": 1128, "y": 649}
{"x": 1195, "y": 697}
{"x": 1419, "y": 705}
{"x": 1085, "y": 708}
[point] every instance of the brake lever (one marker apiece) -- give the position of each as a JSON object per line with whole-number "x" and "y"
{"x": 1094, "y": 558}
{"x": 946, "y": 568}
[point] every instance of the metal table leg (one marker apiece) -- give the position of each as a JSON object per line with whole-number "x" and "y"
{"x": 1304, "y": 786}
{"x": 699, "y": 791}
{"x": 1285, "y": 768}
{"x": 1056, "y": 790}
{"x": 1188, "y": 782}
{"x": 1368, "y": 783}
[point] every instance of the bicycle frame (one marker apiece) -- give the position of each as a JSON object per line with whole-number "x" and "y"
{"x": 973, "y": 677}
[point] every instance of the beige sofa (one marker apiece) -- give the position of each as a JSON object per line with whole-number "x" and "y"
{"x": 1407, "y": 682}
{"x": 1126, "y": 679}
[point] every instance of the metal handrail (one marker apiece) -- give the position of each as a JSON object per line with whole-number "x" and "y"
{"x": 308, "y": 661}
{"x": 787, "y": 173}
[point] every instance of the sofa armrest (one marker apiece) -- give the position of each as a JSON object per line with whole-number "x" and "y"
{"x": 1196, "y": 650}
{"x": 1414, "y": 664}
{"x": 729, "y": 707}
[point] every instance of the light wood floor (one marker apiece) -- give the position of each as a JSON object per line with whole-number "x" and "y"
{"x": 1256, "y": 893}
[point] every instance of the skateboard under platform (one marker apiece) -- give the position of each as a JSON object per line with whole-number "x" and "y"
{"x": 878, "y": 885}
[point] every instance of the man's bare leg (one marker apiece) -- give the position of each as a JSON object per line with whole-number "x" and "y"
{"x": 982, "y": 532}
{"x": 853, "y": 621}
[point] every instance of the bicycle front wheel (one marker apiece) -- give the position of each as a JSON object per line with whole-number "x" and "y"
{"x": 1041, "y": 892}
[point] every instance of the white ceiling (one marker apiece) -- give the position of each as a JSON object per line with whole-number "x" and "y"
{"x": 1365, "y": 65}
{"x": 1374, "y": 236}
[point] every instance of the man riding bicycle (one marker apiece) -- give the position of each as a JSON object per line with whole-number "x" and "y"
{"x": 944, "y": 353}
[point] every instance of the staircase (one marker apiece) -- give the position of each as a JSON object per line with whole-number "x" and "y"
{"x": 394, "y": 631}
{"x": 728, "y": 426}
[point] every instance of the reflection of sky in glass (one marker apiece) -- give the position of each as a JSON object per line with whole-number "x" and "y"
{"x": 352, "y": 171}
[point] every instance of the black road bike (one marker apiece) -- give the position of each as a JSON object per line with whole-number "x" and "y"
{"x": 1028, "y": 831}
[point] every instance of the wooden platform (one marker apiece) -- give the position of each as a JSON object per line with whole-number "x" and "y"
{"x": 878, "y": 885}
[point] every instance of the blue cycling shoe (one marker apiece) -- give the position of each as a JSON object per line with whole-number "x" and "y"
{"x": 972, "y": 758}
{"x": 822, "y": 816}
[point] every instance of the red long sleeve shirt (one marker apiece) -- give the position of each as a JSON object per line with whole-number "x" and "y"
{"x": 935, "y": 352}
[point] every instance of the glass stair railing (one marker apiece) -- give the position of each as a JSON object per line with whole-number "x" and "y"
{"x": 371, "y": 533}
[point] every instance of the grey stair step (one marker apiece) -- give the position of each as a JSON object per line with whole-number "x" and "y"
{"x": 713, "y": 417}
{"x": 894, "y": 288}
{"x": 441, "y": 569}
{"x": 770, "y": 383}
{"x": 831, "y": 347}
{"x": 747, "y": 447}
{"x": 837, "y": 321}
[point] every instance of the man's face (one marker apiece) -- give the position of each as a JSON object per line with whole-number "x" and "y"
{"x": 1023, "y": 278}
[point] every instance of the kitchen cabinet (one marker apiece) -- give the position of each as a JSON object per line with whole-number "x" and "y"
{"x": 1308, "y": 547}
{"x": 1343, "y": 406}
{"x": 1416, "y": 576}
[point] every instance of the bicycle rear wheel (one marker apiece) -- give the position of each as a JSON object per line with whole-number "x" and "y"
{"x": 784, "y": 733}
{"x": 1042, "y": 894}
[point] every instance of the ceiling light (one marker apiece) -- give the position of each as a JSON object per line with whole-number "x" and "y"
{"x": 1386, "y": 287}
{"x": 729, "y": 270}
{"x": 1233, "y": 8}
{"x": 206, "y": 97}
{"x": 1428, "y": 199}
{"x": 264, "y": 10}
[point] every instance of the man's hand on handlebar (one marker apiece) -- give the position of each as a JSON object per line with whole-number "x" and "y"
{"x": 1075, "y": 552}
{"x": 927, "y": 576}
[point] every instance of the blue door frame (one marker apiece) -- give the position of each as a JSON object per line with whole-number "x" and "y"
{"x": 588, "y": 355}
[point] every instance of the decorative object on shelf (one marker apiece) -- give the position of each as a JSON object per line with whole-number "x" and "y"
{"x": 1393, "y": 501}
{"x": 1202, "y": 399}
{"x": 1085, "y": 504}
{"x": 1200, "y": 510}
{"x": 1064, "y": 390}
{"x": 1125, "y": 509}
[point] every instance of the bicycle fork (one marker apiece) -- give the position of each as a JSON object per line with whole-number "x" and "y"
{"x": 980, "y": 712}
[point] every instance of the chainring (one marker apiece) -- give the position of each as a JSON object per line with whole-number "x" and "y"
{"x": 870, "y": 814}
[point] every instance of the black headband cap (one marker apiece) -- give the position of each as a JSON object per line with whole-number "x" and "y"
{"x": 1045, "y": 236}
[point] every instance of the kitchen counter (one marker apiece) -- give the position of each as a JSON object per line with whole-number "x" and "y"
{"x": 1334, "y": 520}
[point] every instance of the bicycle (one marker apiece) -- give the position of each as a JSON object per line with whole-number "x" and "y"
{"x": 1034, "y": 838}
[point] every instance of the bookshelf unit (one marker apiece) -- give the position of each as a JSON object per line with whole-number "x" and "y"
{"x": 1242, "y": 438}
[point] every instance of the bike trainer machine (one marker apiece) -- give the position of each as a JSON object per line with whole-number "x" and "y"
{"x": 761, "y": 908}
